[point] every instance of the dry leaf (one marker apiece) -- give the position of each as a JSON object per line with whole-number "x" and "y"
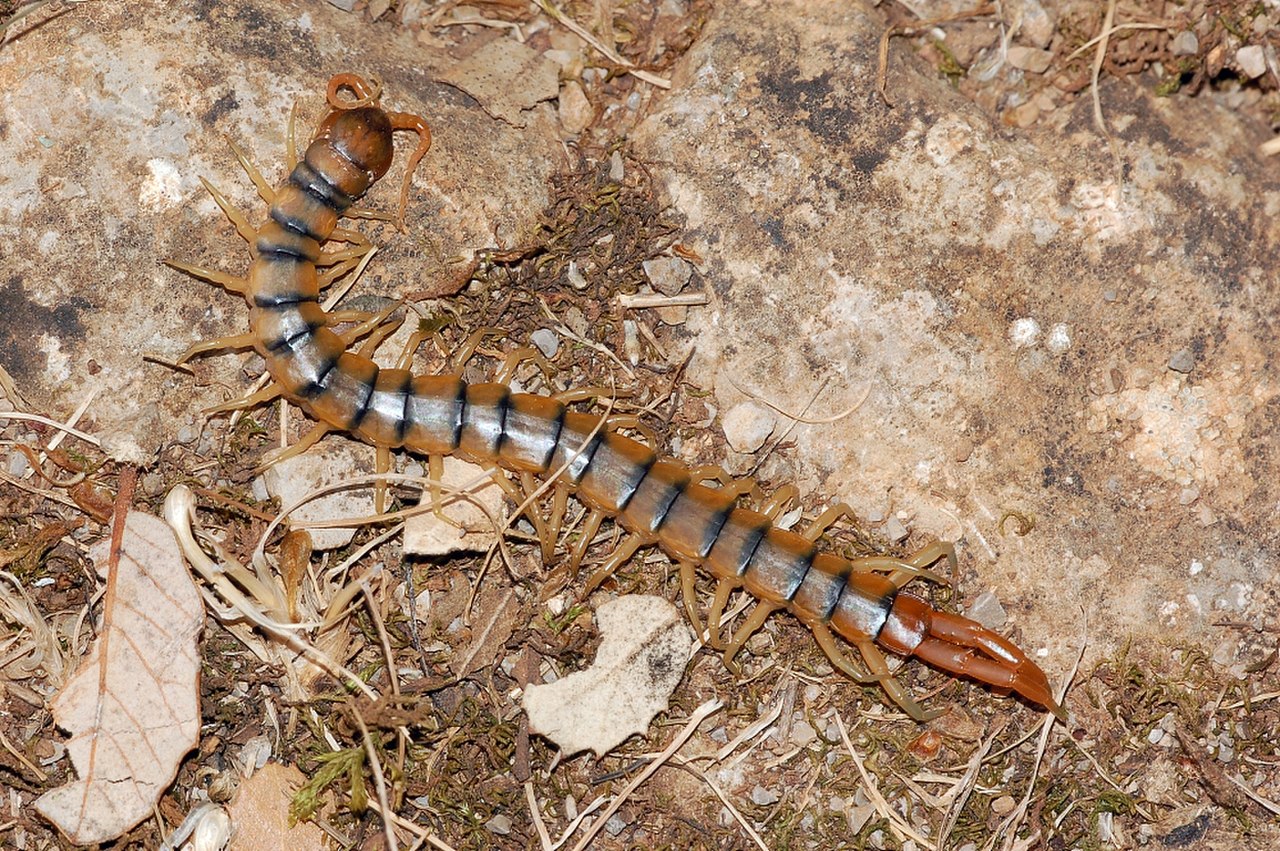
{"x": 260, "y": 813}
{"x": 640, "y": 662}
{"x": 133, "y": 707}
{"x": 506, "y": 78}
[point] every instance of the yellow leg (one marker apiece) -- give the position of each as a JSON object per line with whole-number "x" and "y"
{"x": 528, "y": 485}
{"x": 590, "y": 527}
{"x": 620, "y": 556}
{"x": 381, "y": 464}
{"x": 265, "y": 192}
{"x": 689, "y": 592}
{"x": 246, "y": 230}
{"x": 308, "y": 440}
{"x": 724, "y": 588}
{"x": 232, "y": 283}
{"x": 266, "y": 394}
{"x": 877, "y": 665}
{"x": 236, "y": 341}
{"x": 754, "y": 621}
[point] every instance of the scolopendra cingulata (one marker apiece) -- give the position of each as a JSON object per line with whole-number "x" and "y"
{"x": 657, "y": 500}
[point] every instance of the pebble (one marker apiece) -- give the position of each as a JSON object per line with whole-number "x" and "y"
{"x": 803, "y": 734}
{"x": 1252, "y": 61}
{"x": 1031, "y": 59}
{"x": 617, "y": 170}
{"x": 762, "y": 797}
{"x": 499, "y": 824}
{"x": 667, "y": 274}
{"x": 1037, "y": 24}
{"x": 576, "y": 279}
{"x": 1003, "y": 805}
{"x": 894, "y": 530}
{"x": 576, "y": 111}
{"x": 748, "y": 425}
{"x": 1185, "y": 44}
{"x": 615, "y": 825}
{"x": 547, "y": 341}
{"x": 987, "y": 611}
{"x": 1182, "y": 361}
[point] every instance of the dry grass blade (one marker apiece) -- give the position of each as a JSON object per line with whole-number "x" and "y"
{"x": 896, "y": 824}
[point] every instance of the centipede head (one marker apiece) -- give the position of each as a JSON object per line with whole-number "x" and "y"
{"x": 361, "y": 135}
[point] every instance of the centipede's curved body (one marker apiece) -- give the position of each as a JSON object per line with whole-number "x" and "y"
{"x": 655, "y": 498}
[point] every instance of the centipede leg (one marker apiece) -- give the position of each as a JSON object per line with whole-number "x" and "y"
{"x": 902, "y": 571}
{"x": 877, "y": 665}
{"x": 590, "y": 527}
{"x": 516, "y": 358}
{"x": 582, "y": 394}
{"x": 229, "y": 282}
{"x": 827, "y": 519}
{"x": 778, "y": 503}
{"x": 617, "y": 421}
{"x": 435, "y": 471}
{"x": 689, "y": 593}
{"x": 540, "y": 527}
{"x": 754, "y": 621}
{"x": 724, "y": 588}
{"x": 840, "y": 659}
{"x": 266, "y": 394}
{"x": 381, "y": 464}
{"x": 234, "y": 342}
{"x": 559, "y": 507}
{"x": 308, "y": 440}
{"x": 619, "y": 557}
{"x": 265, "y": 192}
{"x": 239, "y": 219}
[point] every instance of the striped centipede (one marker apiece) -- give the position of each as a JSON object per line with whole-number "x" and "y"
{"x": 657, "y": 500}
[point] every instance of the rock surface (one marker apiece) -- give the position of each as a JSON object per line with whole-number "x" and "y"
{"x": 905, "y": 252}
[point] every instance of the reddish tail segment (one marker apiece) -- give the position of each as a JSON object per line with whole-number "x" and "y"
{"x": 658, "y": 500}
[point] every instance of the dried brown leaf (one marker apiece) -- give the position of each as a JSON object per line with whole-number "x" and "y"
{"x": 133, "y": 707}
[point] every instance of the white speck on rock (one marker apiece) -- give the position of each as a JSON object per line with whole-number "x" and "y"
{"x": 1059, "y": 339}
{"x": 1024, "y": 332}
{"x": 162, "y": 189}
{"x": 748, "y": 425}
{"x": 1197, "y": 567}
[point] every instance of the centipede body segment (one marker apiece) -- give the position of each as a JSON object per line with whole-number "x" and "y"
{"x": 658, "y": 500}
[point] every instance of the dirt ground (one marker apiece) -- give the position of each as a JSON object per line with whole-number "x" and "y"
{"x": 998, "y": 275}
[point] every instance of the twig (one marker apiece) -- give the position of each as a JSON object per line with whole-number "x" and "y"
{"x": 577, "y": 29}
{"x": 873, "y": 793}
{"x": 699, "y": 715}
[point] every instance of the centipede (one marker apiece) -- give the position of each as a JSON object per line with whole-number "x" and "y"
{"x": 699, "y": 519}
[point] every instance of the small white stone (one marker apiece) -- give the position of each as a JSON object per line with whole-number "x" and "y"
{"x": 986, "y": 610}
{"x": 499, "y": 824}
{"x": 617, "y": 169}
{"x": 1197, "y": 567}
{"x": 1024, "y": 332}
{"x": 667, "y": 274}
{"x": 1185, "y": 44}
{"x": 894, "y": 530}
{"x": 1031, "y": 59}
{"x": 1037, "y": 24}
{"x": 748, "y": 425}
{"x": 576, "y": 111}
{"x": 1059, "y": 339}
{"x": 546, "y": 341}
{"x": 1252, "y": 61}
{"x": 803, "y": 734}
{"x": 576, "y": 278}
{"x": 762, "y": 797}
{"x": 1155, "y": 735}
